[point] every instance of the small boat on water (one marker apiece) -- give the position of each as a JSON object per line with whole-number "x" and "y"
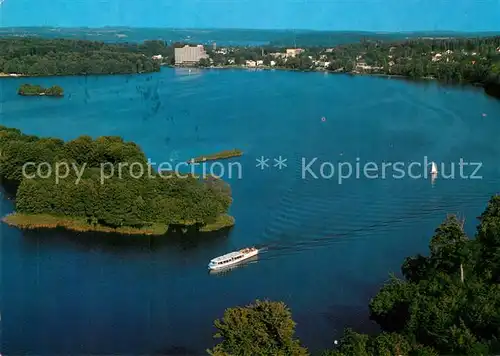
{"x": 434, "y": 168}
{"x": 232, "y": 258}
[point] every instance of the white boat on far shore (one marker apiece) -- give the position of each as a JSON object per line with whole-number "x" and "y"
{"x": 232, "y": 258}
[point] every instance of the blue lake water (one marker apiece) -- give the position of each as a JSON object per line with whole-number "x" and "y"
{"x": 327, "y": 246}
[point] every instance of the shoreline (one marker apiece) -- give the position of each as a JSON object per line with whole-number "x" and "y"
{"x": 315, "y": 70}
{"x": 42, "y": 94}
{"x": 47, "y": 221}
{"x": 490, "y": 92}
{"x": 9, "y": 75}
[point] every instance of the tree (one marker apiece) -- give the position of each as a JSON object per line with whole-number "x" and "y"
{"x": 489, "y": 237}
{"x": 55, "y": 91}
{"x": 449, "y": 248}
{"x": 261, "y": 328}
{"x": 204, "y": 62}
{"x": 40, "y": 56}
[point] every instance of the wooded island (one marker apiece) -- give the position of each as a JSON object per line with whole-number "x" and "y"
{"x": 37, "y": 90}
{"x": 51, "y": 57}
{"x": 127, "y": 202}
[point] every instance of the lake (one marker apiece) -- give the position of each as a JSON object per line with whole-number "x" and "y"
{"x": 327, "y": 245}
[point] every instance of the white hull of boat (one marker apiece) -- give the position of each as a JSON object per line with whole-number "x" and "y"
{"x": 232, "y": 267}
{"x": 232, "y": 262}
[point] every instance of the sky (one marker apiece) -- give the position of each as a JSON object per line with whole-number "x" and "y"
{"x": 341, "y": 15}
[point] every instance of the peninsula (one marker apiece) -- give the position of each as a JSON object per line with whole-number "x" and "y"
{"x": 75, "y": 192}
{"x": 34, "y": 56}
{"x": 37, "y": 90}
{"x": 217, "y": 156}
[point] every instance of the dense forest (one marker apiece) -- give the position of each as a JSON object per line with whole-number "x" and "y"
{"x": 451, "y": 60}
{"x": 446, "y": 303}
{"x": 124, "y": 200}
{"x": 47, "y": 57}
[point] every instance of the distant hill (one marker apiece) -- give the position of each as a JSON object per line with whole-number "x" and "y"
{"x": 223, "y": 37}
{"x": 324, "y": 38}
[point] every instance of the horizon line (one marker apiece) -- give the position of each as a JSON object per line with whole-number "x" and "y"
{"x": 245, "y": 29}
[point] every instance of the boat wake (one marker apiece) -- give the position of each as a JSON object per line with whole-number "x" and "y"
{"x": 315, "y": 214}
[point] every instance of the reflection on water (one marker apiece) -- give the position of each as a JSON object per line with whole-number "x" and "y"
{"x": 115, "y": 243}
{"x": 188, "y": 73}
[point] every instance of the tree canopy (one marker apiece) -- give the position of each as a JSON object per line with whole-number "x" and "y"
{"x": 261, "y": 328}
{"x": 126, "y": 198}
{"x": 448, "y": 302}
{"x": 47, "y": 57}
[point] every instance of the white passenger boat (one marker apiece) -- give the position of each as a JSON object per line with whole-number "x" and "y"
{"x": 232, "y": 258}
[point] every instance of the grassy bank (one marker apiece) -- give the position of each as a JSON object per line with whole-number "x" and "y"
{"x": 45, "y": 221}
{"x": 222, "y": 222}
{"x": 216, "y": 156}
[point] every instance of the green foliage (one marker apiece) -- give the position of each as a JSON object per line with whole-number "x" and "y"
{"x": 204, "y": 62}
{"x": 125, "y": 199}
{"x": 55, "y": 90}
{"x": 29, "y": 89}
{"x": 495, "y": 68}
{"x": 261, "y": 328}
{"x": 449, "y": 247}
{"x": 44, "y": 57}
{"x": 454, "y": 60}
{"x": 353, "y": 343}
{"x": 448, "y": 303}
{"x": 489, "y": 237}
{"x": 385, "y": 344}
{"x": 434, "y": 306}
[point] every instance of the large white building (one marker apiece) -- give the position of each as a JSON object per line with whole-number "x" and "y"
{"x": 189, "y": 55}
{"x": 292, "y": 52}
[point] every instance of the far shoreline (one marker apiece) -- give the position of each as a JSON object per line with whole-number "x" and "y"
{"x": 11, "y": 75}
{"x": 271, "y": 68}
{"x": 27, "y": 76}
